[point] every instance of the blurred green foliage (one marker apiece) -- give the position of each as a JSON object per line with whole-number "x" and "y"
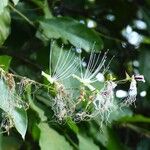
{"x": 122, "y": 26}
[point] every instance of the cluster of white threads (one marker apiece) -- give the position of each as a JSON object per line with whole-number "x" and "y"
{"x": 104, "y": 101}
{"x": 64, "y": 67}
{"x": 62, "y": 106}
{"x": 59, "y": 72}
{"x": 93, "y": 68}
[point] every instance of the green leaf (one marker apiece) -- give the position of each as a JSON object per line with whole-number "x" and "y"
{"x": 70, "y": 30}
{"x": 43, "y": 4}
{"x": 114, "y": 141}
{"x": 100, "y": 136}
{"x": 72, "y": 125}
{"x": 50, "y": 139}
{"x": 4, "y": 102}
{"x": 9, "y": 143}
{"x": 4, "y": 25}
{"x": 15, "y": 2}
{"x": 144, "y": 144}
{"x": 20, "y": 121}
{"x": 86, "y": 143}
{"x": 120, "y": 113}
{"x": 135, "y": 118}
{"x": 3, "y": 4}
{"x": 18, "y": 115}
{"x": 35, "y": 106}
{"x": 5, "y": 62}
{"x": 137, "y": 129}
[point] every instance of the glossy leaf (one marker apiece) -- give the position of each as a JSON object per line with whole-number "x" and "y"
{"x": 20, "y": 121}
{"x": 70, "y": 30}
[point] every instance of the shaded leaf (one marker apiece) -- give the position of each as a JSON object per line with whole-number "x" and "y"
{"x": 114, "y": 141}
{"x": 43, "y": 4}
{"x": 137, "y": 129}
{"x": 135, "y": 118}
{"x": 9, "y": 143}
{"x": 144, "y": 144}
{"x": 70, "y": 30}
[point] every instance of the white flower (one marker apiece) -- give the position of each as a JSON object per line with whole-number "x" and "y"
{"x": 63, "y": 68}
{"x": 104, "y": 99}
{"x": 133, "y": 88}
{"x": 104, "y": 102}
{"x": 132, "y": 93}
{"x": 94, "y": 67}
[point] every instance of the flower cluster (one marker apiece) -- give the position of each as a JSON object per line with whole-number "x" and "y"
{"x": 80, "y": 92}
{"x": 87, "y": 100}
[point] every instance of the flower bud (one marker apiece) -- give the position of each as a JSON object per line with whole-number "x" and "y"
{"x": 139, "y": 78}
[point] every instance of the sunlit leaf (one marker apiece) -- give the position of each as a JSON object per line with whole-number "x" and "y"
{"x": 3, "y": 4}
{"x": 18, "y": 115}
{"x": 72, "y": 125}
{"x": 86, "y": 143}
{"x": 50, "y": 139}
{"x": 15, "y": 2}
{"x": 20, "y": 121}
{"x": 4, "y": 25}
{"x": 4, "y": 103}
{"x": 35, "y": 106}
{"x": 5, "y": 62}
